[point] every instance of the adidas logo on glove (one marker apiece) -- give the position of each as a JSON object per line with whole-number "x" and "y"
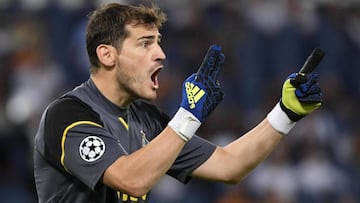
{"x": 194, "y": 94}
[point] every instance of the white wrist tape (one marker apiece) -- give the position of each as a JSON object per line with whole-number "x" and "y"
{"x": 185, "y": 124}
{"x": 279, "y": 120}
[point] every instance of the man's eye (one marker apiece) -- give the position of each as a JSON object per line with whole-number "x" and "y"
{"x": 145, "y": 44}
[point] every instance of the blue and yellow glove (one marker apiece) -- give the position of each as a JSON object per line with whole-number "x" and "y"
{"x": 301, "y": 95}
{"x": 201, "y": 93}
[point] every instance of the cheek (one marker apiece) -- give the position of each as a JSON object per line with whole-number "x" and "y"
{"x": 133, "y": 65}
{"x": 129, "y": 75}
{"x": 130, "y": 64}
{"x": 126, "y": 66}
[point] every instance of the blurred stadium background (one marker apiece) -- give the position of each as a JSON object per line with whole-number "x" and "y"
{"x": 42, "y": 54}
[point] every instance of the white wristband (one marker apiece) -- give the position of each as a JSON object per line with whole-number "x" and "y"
{"x": 279, "y": 120}
{"x": 185, "y": 124}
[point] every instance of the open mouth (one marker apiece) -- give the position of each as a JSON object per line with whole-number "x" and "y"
{"x": 154, "y": 78}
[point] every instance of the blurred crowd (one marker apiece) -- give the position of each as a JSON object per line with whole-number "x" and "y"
{"x": 42, "y": 54}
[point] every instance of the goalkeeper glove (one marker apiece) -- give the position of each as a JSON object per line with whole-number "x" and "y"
{"x": 201, "y": 93}
{"x": 301, "y": 95}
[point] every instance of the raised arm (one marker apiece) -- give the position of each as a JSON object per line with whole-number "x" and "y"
{"x": 233, "y": 162}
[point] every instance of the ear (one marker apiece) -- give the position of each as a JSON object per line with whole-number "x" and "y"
{"x": 106, "y": 55}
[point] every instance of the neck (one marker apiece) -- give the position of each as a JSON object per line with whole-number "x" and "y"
{"x": 109, "y": 88}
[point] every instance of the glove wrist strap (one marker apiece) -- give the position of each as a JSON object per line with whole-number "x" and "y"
{"x": 279, "y": 120}
{"x": 185, "y": 124}
{"x": 293, "y": 116}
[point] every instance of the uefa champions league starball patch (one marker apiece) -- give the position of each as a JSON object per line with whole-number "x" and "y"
{"x": 91, "y": 148}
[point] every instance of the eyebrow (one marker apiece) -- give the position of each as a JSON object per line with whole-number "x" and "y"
{"x": 150, "y": 37}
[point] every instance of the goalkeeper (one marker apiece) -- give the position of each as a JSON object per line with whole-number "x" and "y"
{"x": 103, "y": 142}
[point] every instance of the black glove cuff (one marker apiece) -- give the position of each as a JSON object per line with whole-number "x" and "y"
{"x": 293, "y": 116}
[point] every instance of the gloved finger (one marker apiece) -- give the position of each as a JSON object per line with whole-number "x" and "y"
{"x": 312, "y": 79}
{"x": 219, "y": 62}
{"x": 313, "y": 90}
{"x": 307, "y": 87}
{"x": 311, "y": 98}
{"x": 220, "y": 95}
{"x": 217, "y": 93}
{"x": 208, "y": 64}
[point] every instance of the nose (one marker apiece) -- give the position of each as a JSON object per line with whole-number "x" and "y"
{"x": 160, "y": 55}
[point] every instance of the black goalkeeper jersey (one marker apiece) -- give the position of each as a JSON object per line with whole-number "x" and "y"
{"x": 82, "y": 133}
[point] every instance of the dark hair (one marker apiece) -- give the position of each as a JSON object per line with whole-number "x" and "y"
{"x": 107, "y": 25}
